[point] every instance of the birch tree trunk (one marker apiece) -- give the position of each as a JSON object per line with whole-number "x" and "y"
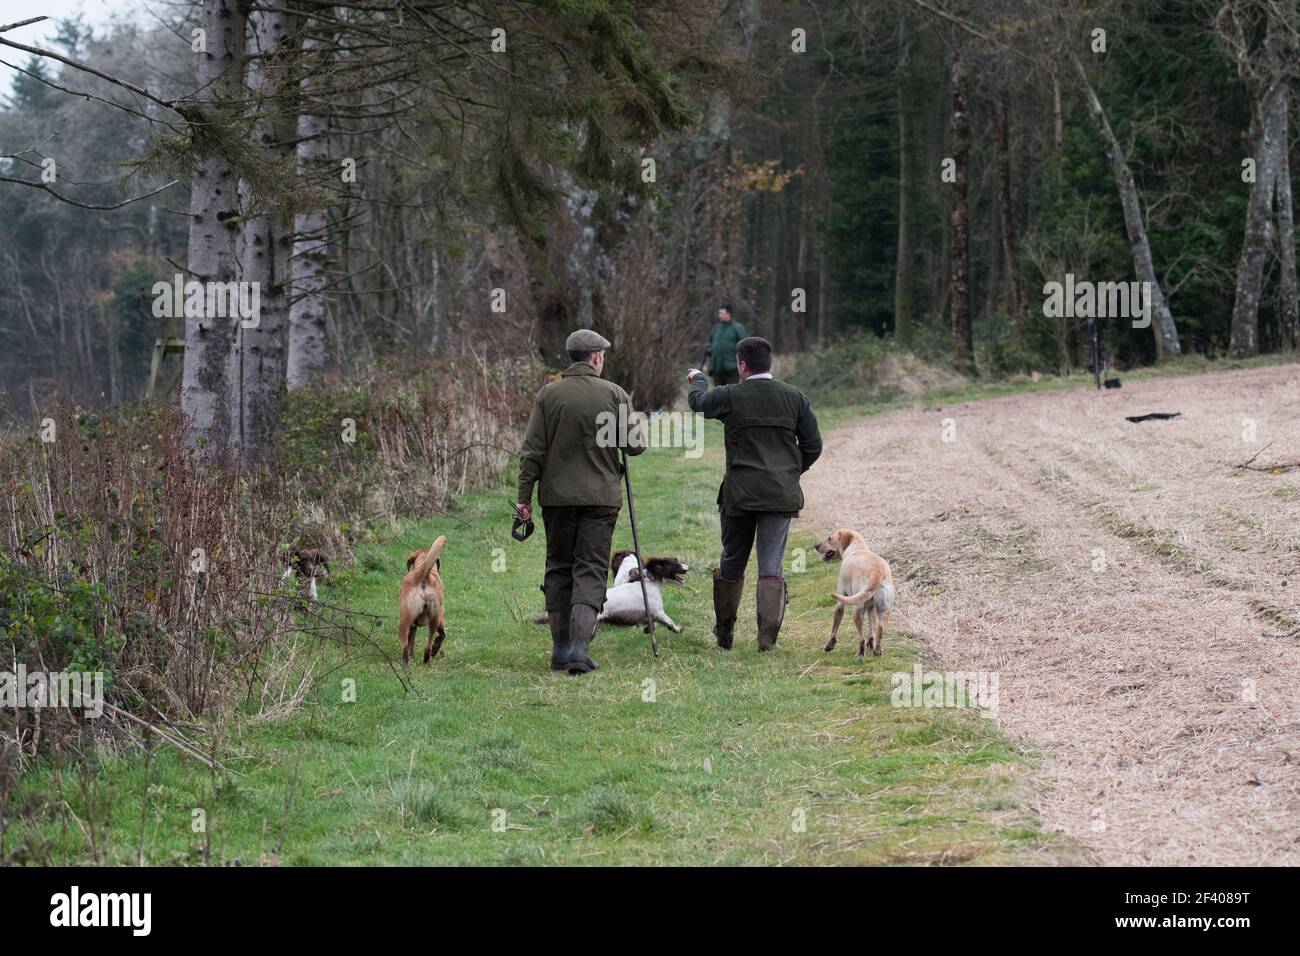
{"x": 208, "y": 386}
{"x": 267, "y": 242}
{"x": 963, "y": 351}
{"x": 1268, "y": 148}
{"x": 579, "y": 259}
{"x": 1286, "y": 243}
{"x": 307, "y": 312}
{"x": 739, "y": 19}
{"x": 1162, "y": 322}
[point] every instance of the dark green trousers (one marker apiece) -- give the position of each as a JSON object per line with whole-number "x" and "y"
{"x": 577, "y": 555}
{"x": 730, "y": 377}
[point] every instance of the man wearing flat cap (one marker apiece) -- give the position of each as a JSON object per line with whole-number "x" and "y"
{"x": 568, "y": 454}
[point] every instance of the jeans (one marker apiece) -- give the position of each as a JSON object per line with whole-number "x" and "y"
{"x": 738, "y": 533}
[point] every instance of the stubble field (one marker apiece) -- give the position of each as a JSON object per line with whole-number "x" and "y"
{"x": 1136, "y": 592}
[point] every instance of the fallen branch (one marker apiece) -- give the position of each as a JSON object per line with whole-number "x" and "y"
{"x": 177, "y": 742}
{"x": 1277, "y": 468}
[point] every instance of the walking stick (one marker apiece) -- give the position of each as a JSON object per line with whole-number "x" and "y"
{"x": 636, "y": 548}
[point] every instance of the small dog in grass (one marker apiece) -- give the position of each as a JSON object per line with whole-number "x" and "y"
{"x": 623, "y": 566}
{"x": 306, "y": 563}
{"x": 865, "y": 585}
{"x": 420, "y": 601}
{"x": 625, "y": 603}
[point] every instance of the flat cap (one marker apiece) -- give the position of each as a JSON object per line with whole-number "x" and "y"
{"x": 585, "y": 340}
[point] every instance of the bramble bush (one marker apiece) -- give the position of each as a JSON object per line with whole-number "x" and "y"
{"x": 122, "y": 554}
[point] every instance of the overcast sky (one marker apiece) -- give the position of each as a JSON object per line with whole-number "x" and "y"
{"x": 96, "y": 13}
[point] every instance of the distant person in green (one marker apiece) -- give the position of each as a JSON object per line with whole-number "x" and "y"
{"x": 721, "y": 349}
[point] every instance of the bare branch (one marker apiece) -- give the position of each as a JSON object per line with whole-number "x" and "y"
{"x": 85, "y": 205}
{"x": 126, "y": 85}
{"x": 21, "y": 23}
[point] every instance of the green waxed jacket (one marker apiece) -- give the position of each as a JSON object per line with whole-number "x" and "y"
{"x": 722, "y": 346}
{"x": 771, "y": 438}
{"x": 571, "y": 447}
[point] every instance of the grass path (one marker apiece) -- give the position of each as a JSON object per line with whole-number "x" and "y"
{"x": 701, "y": 757}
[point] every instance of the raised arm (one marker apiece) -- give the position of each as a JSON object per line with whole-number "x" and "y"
{"x": 713, "y": 402}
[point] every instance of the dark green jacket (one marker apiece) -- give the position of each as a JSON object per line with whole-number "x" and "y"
{"x": 722, "y": 346}
{"x": 573, "y": 439}
{"x": 771, "y": 436}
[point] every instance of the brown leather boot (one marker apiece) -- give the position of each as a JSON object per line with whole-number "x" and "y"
{"x": 560, "y": 643}
{"x": 771, "y": 611}
{"x": 726, "y": 602}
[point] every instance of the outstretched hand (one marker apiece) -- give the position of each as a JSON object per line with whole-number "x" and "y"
{"x": 692, "y": 372}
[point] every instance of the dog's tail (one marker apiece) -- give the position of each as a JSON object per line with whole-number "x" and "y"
{"x": 852, "y": 600}
{"x": 431, "y": 557}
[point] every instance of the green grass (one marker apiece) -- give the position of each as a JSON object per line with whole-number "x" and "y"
{"x": 699, "y": 757}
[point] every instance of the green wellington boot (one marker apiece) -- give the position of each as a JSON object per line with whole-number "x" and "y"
{"x": 771, "y": 611}
{"x": 561, "y": 645}
{"x": 726, "y": 602}
{"x": 582, "y": 628}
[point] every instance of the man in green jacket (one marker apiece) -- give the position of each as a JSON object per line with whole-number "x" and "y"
{"x": 721, "y": 348}
{"x": 571, "y": 450}
{"x": 771, "y": 439}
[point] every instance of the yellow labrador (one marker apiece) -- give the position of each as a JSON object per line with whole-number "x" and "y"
{"x": 865, "y": 585}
